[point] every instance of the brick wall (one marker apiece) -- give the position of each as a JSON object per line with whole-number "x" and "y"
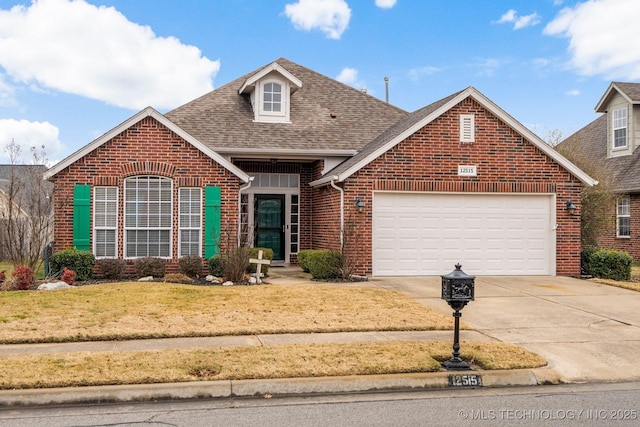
{"x": 428, "y": 161}
{"x": 628, "y": 244}
{"x": 147, "y": 148}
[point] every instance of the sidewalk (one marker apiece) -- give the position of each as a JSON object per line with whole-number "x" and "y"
{"x": 258, "y": 388}
{"x": 587, "y": 331}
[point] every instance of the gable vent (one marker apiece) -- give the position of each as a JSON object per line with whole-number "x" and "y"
{"x": 467, "y": 128}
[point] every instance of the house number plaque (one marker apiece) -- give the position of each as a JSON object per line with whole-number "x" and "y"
{"x": 467, "y": 170}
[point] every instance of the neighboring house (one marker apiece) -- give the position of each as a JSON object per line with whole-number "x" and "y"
{"x": 24, "y": 200}
{"x": 286, "y": 158}
{"x": 611, "y": 141}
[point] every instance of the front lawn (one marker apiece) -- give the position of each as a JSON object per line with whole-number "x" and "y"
{"x": 150, "y": 310}
{"x": 134, "y": 310}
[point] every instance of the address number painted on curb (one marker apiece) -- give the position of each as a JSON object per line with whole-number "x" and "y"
{"x": 466, "y": 380}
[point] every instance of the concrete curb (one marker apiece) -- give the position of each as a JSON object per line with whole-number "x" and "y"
{"x": 267, "y": 387}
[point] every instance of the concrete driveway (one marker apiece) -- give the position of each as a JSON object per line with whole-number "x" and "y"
{"x": 588, "y": 332}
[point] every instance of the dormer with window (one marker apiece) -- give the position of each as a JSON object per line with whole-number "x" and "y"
{"x": 270, "y": 92}
{"x": 621, "y": 104}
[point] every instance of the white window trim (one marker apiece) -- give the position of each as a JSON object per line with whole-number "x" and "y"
{"x": 181, "y": 228}
{"x": 126, "y": 228}
{"x": 467, "y": 128}
{"x": 97, "y": 228}
{"x": 263, "y": 88}
{"x": 261, "y": 115}
{"x": 614, "y": 128}
{"x": 620, "y": 199}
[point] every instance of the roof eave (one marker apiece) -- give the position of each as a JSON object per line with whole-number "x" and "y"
{"x": 488, "y": 104}
{"x": 604, "y": 100}
{"x": 274, "y": 66}
{"x": 147, "y": 112}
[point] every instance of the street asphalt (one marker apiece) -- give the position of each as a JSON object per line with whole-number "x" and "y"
{"x": 588, "y": 332}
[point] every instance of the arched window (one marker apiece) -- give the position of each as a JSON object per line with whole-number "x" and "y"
{"x": 272, "y": 98}
{"x": 148, "y": 202}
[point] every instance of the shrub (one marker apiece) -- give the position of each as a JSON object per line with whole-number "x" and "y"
{"x": 22, "y": 278}
{"x": 191, "y": 265}
{"x": 324, "y": 264}
{"x": 267, "y": 253}
{"x": 81, "y": 262}
{"x": 610, "y": 264}
{"x": 150, "y": 266}
{"x": 231, "y": 266}
{"x": 177, "y": 278}
{"x": 111, "y": 268}
{"x": 68, "y": 276}
{"x": 216, "y": 265}
{"x": 303, "y": 258}
{"x": 585, "y": 261}
{"x": 235, "y": 264}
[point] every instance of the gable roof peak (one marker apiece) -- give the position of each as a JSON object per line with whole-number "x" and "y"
{"x": 147, "y": 112}
{"x": 628, "y": 90}
{"x": 249, "y": 84}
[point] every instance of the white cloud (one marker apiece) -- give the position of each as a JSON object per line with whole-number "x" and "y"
{"x": 416, "y": 74}
{"x": 95, "y": 52}
{"x": 7, "y": 94}
{"x": 385, "y": 4}
{"x": 486, "y": 66}
{"x": 574, "y": 92}
{"x": 28, "y": 134}
{"x": 349, "y": 76}
{"x": 329, "y": 16}
{"x": 601, "y": 35}
{"x": 519, "y": 22}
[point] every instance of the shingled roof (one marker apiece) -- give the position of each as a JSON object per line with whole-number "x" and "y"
{"x": 591, "y": 141}
{"x": 419, "y": 118}
{"x": 326, "y": 115}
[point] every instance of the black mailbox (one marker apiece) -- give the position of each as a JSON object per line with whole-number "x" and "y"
{"x": 458, "y": 286}
{"x": 457, "y": 291}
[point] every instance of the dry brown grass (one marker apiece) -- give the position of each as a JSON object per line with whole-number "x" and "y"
{"x": 634, "y": 286}
{"x": 147, "y": 310}
{"x": 153, "y": 310}
{"x": 233, "y": 363}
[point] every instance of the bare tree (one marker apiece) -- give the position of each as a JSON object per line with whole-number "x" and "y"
{"x": 26, "y": 208}
{"x": 598, "y": 201}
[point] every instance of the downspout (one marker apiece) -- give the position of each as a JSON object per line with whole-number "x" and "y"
{"x": 246, "y": 187}
{"x": 333, "y": 180}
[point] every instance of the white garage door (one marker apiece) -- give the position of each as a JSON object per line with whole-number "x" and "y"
{"x": 427, "y": 234}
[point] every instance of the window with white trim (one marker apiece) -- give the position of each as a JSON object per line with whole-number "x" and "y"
{"x": 190, "y": 221}
{"x": 148, "y": 202}
{"x": 623, "y": 217}
{"x": 105, "y": 221}
{"x": 272, "y": 98}
{"x": 467, "y": 128}
{"x": 620, "y": 128}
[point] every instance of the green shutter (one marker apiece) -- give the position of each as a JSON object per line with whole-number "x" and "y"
{"x": 212, "y": 220}
{"x": 82, "y": 217}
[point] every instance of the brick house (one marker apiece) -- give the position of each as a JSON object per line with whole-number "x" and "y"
{"x": 612, "y": 140}
{"x": 286, "y": 158}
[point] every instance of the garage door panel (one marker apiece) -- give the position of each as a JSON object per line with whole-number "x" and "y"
{"x": 426, "y": 234}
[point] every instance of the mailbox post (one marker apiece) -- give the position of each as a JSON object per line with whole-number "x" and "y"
{"x": 457, "y": 291}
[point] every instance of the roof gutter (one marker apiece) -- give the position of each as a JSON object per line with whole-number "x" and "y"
{"x": 332, "y": 183}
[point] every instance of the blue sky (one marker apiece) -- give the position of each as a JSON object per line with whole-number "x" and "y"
{"x": 72, "y": 70}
